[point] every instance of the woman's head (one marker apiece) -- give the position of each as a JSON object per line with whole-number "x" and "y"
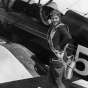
{"x": 55, "y": 17}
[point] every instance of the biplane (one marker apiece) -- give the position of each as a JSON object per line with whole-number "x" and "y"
{"x": 26, "y": 23}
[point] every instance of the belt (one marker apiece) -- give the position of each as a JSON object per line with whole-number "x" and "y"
{"x": 56, "y": 60}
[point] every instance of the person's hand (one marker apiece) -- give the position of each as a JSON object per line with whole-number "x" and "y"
{"x": 60, "y": 55}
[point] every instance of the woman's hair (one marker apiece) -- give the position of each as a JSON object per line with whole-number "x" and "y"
{"x": 55, "y": 12}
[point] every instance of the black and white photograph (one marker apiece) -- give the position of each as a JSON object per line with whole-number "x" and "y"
{"x": 43, "y": 43}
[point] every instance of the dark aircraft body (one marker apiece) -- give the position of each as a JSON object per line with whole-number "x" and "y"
{"x": 22, "y": 23}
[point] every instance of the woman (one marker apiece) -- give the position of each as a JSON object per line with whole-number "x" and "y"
{"x": 58, "y": 38}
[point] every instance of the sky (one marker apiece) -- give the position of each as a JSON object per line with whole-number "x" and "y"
{"x": 79, "y": 6}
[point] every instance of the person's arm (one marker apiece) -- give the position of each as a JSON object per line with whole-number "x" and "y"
{"x": 66, "y": 37}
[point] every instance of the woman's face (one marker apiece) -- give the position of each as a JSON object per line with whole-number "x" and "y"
{"x": 55, "y": 20}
